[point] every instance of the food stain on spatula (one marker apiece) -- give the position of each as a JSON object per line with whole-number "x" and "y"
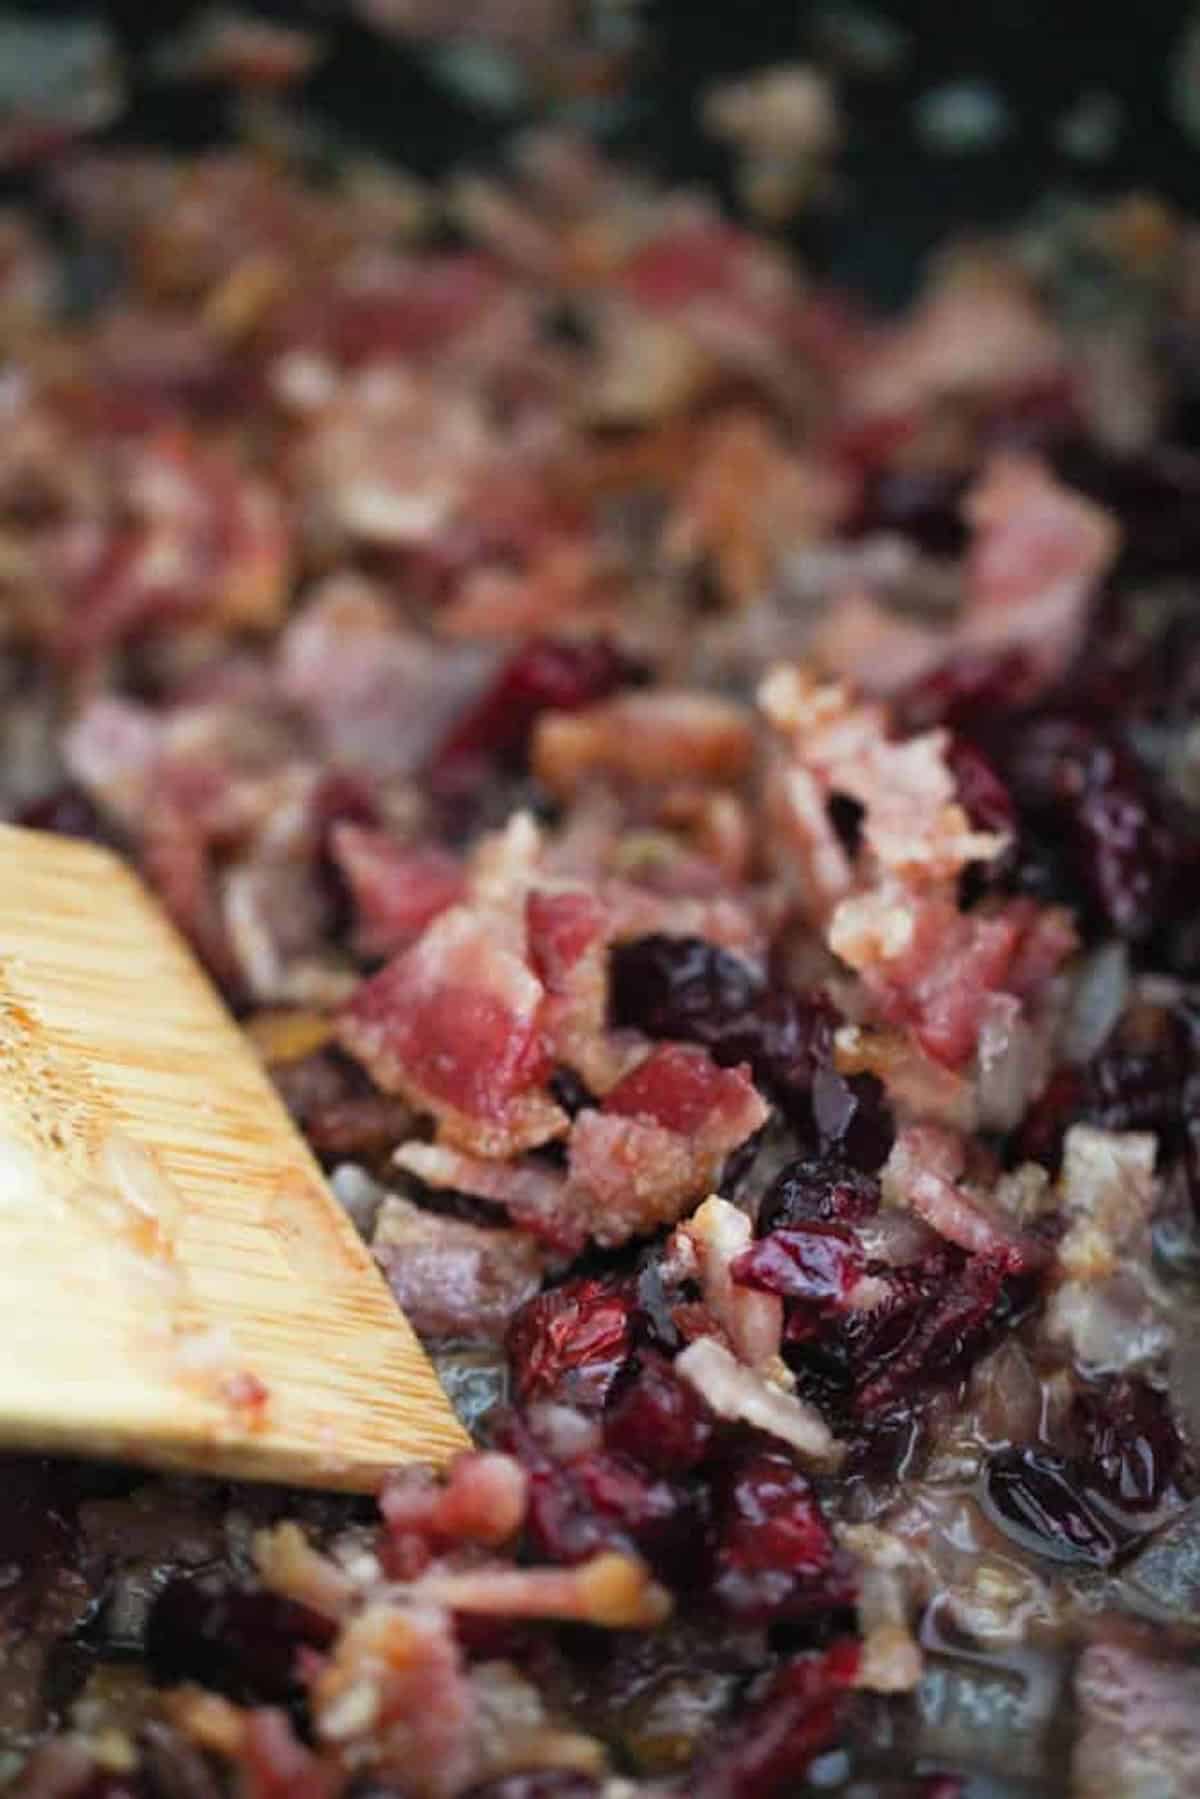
{"x": 178, "y": 1285}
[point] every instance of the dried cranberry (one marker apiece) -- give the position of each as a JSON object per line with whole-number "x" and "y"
{"x": 544, "y": 675}
{"x": 1130, "y": 1446}
{"x": 1037, "y": 1499}
{"x": 776, "y": 1556}
{"x": 817, "y": 1189}
{"x": 685, "y": 988}
{"x": 680, "y": 987}
{"x": 852, "y": 1118}
{"x": 960, "y": 692}
{"x": 570, "y": 1343}
{"x": 818, "y": 1264}
{"x": 982, "y": 794}
{"x": 658, "y": 1419}
{"x": 1080, "y": 782}
{"x": 924, "y": 505}
{"x": 662, "y": 1521}
{"x": 1155, "y": 495}
{"x": 242, "y": 1642}
{"x": 69, "y": 812}
{"x": 766, "y": 1753}
{"x": 960, "y": 1318}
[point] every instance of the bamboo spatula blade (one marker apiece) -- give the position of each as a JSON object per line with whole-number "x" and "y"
{"x": 178, "y": 1286}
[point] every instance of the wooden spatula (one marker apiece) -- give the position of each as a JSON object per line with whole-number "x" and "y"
{"x": 178, "y": 1286}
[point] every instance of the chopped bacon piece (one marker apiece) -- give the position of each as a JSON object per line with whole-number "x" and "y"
{"x": 611, "y": 1590}
{"x": 536, "y": 1199}
{"x": 379, "y": 696}
{"x": 482, "y": 1500}
{"x": 393, "y": 1689}
{"x": 453, "y": 1279}
{"x": 752, "y": 1321}
{"x": 397, "y": 889}
{"x": 1038, "y": 555}
{"x": 639, "y": 738}
{"x": 453, "y": 1024}
{"x": 923, "y": 1173}
{"x": 737, "y": 1393}
{"x": 660, "y": 1141}
{"x": 931, "y": 967}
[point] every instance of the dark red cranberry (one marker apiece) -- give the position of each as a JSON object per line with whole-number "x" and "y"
{"x": 776, "y": 1556}
{"x": 680, "y": 987}
{"x": 1037, "y": 1499}
{"x": 960, "y": 1318}
{"x": 545, "y": 675}
{"x": 1156, "y": 496}
{"x": 542, "y": 1783}
{"x": 571, "y": 1342}
{"x": 662, "y": 1521}
{"x": 242, "y": 1642}
{"x": 969, "y": 687}
{"x": 818, "y": 1264}
{"x": 687, "y": 989}
{"x": 766, "y": 1753}
{"x": 982, "y": 794}
{"x": 1129, "y": 1445}
{"x": 1059, "y": 1105}
{"x": 817, "y": 1189}
{"x": 1081, "y": 783}
{"x": 69, "y": 812}
{"x": 658, "y": 1419}
{"x": 852, "y": 1118}
{"x": 924, "y": 505}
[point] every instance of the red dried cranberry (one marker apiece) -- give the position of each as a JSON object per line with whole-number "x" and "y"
{"x": 570, "y": 1343}
{"x": 685, "y": 988}
{"x": 924, "y": 505}
{"x": 244, "y": 1643}
{"x": 660, "y": 1520}
{"x": 544, "y": 675}
{"x": 658, "y": 1419}
{"x": 818, "y": 1264}
{"x": 776, "y": 1556}
{"x": 960, "y": 1318}
{"x": 1037, "y": 1499}
{"x": 1082, "y": 784}
{"x": 1130, "y": 1446}
{"x": 68, "y": 812}
{"x": 982, "y": 794}
{"x": 1059, "y": 1105}
{"x": 766, "y": 1753}
{"x": 679, "y": 987}
{"x": 960, "y": 692}
{"x": 817, "y": 1189}
{"x": 852, "y": 1118}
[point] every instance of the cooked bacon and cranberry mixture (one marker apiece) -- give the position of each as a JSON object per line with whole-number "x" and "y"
{"x": 695, "y": 796}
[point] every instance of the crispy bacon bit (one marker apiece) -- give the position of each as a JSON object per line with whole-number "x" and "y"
{"x": 289, "y": 1565}
{"x": 453, "y": 1024}
{"x": 481, "y": 1501}
{"x": 738, "y": 1394}
{"x": 1038, "y": 555}
{"x": 639, "y": 738}
{"x": 931, "y": 967}
{"x": 393, "y": 1692}
{"x": 1107, "y": 1192}
{"x": 913, "y": 821}
{"x": 924, "y": 1173}
{"x": 753, "y": 1322}
{"x": 611, "y": 1590}
{"x": 453, "y": 1279}
{"x": 397, "y": 889}
{"x": 659, "y": 1143}
{"x": 535, "y": 1198}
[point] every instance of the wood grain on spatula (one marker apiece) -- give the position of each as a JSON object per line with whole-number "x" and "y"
{"x": 178, "y": 1286}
